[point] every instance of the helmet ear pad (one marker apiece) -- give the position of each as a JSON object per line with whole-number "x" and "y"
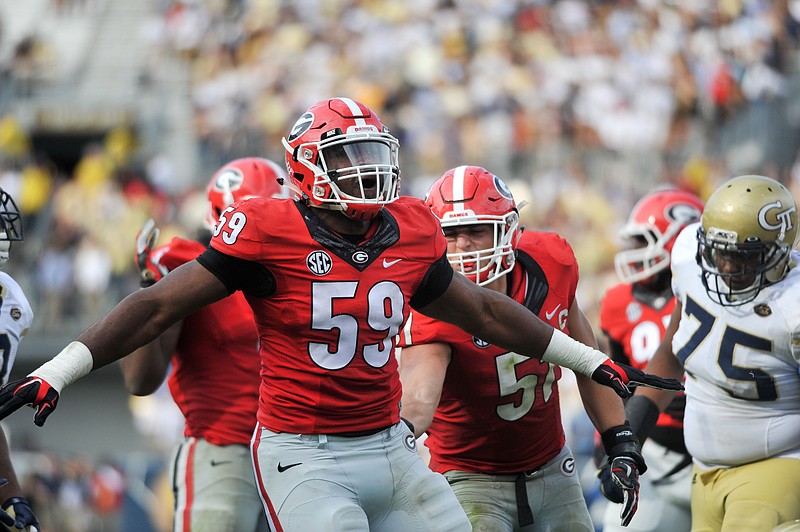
{"x": 471, "y": 195}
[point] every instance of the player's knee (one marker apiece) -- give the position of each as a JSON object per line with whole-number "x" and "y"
{"x": 752, "y": 515}
{"x": 322, "y": 517}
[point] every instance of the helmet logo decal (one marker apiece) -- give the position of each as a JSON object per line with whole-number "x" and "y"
{"x": 301, "y": 126}
{"x": 502, "y": 188}
{"x": 319, "y": 263}
{"x": 682, "y": 212}
{"x": 784, "y": 217}
{"x": 228, "y": 181}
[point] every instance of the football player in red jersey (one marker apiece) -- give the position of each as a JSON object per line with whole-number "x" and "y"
{"x": 633, "y": 316}
{"x": 331, "y": 276}
{"x": 212, "y": 471}
{"x": 493, "y": 416}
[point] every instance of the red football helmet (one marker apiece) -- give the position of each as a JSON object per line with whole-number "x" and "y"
{"x": 653, "y": 224}
{"x": 341, "y": 157}
{"x": 471, "y": 195}
{"x": 241, "y": 179}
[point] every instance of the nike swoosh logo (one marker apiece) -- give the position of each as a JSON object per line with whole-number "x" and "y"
{"x": 216, "y": 463}
{"x": 552, "y": 313}
{"x": 389, "y": 263}
{"x": 281, "y": 468}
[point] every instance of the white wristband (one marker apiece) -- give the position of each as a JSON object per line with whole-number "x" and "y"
{"x": 572, "y": 354}
{"x": 72, "y": 363}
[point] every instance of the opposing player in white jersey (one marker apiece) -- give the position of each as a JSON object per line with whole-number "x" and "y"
{"x": 16, "y": 318}
{"x": 736, "y": 332}
{"x": 633, "y": 316}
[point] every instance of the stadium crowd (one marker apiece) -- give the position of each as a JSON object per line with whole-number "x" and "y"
{"x": 583, "y": 106}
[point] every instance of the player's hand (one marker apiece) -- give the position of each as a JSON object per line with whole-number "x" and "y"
{"x": 21, "y": 515}
{"x": 621, "y": 378}
{"x": 619, "y": 477}
{"x": 33, "y": 391}
{"x": 146, "y": 239}
{"x": 619, "y": 483}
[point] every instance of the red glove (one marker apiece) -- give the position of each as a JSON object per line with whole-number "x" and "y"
{"x": 621, "y": 378}
{"x": 32, "y": 391}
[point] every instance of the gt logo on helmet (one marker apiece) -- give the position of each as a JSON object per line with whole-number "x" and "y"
{"x": 783, "y": 218}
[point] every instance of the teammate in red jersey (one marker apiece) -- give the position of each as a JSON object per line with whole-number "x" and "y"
{"x": 331, "y": 276}
{"x": 212, "y": 473}
{"x": 493, "y": 416}
{"x": 633, "y": 316}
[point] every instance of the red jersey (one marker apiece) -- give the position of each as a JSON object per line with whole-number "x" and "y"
{"x": 500, "y": 411}
{"x": 215, "y": 368}
{"x": 333, "y": 307}
{"x": 637, "y": 328}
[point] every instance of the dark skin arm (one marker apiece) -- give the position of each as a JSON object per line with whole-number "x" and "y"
{"x": 145, "y": 314}
{"x": 423, "y": 368}
{"x": 145, "y": 369}
{"x": 491, "y": 316}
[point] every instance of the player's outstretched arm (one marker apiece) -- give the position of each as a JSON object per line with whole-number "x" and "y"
{"x": 135, "y": 321}
{"x": 498, "y": 319}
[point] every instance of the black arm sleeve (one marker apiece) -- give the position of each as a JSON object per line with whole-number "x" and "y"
{"x": 643, "y": 415}
{"x": 250, "y": 277}
{"x": 435, "y": 282}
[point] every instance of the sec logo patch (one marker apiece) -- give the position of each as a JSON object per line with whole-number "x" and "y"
{"x": 319, "y": 262}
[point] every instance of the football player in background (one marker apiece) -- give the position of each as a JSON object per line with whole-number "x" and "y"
{"x": 215, "y": 371}
{"x": 734, "y": 331}
{"x": 493, "y": 416}
{"x": 633, "y": 317}
{"x": 330, "y": 275}
{"x": 16, "y": 318}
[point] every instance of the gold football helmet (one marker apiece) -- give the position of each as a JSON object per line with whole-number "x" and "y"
{"x": 746, "y": 235}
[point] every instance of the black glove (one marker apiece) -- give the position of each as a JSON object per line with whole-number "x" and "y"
{"x": 33, "y": 391}
{"x": 619, "y": 477}
{"x": 621, "y": 378}
{"x": 149, "y": 272}
{"x": 23, "y": 514}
